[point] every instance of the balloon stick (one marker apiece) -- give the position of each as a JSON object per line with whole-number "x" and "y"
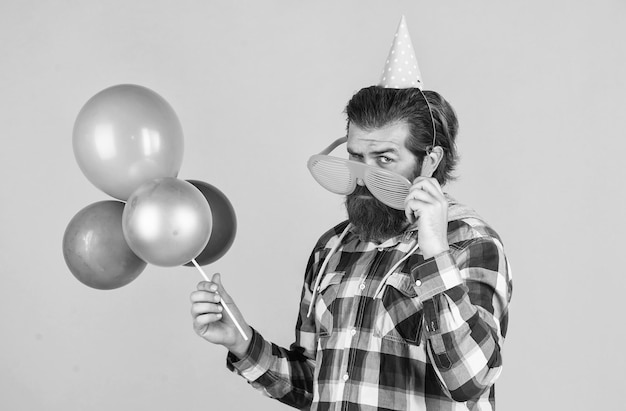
{"x": 232, "y": 317}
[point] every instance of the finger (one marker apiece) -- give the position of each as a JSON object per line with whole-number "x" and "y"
{"x": 419, "y": 195}
{"x": 205, "y": 308}
{"x": 418, "y": 201}
{"x": 205, "y": 319}
{"x": 414, "y": 209}
{"x": 207, "y": 286}
{"x": 432, "y": 182}
{"x": 430, "y": 185}
{"x": 205, "y": 296}
{"x": 217, "y": 279}
{"x": 428, "y": 194}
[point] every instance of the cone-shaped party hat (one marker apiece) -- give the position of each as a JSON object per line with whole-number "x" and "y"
{"x": 401, "y": 69}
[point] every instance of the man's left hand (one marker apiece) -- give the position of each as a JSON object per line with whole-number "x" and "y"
{"x": 427, "y": 204}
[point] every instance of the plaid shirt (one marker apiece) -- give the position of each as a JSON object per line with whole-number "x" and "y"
{"x": 429, "y": 339}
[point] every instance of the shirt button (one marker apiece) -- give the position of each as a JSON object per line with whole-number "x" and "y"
{"x": 381, "y": 248}
{"x": 345, "y": 377}
{"x": 362, "y": 286}
{"x": 353, "y": 332}
{"x": 418, "y": 283}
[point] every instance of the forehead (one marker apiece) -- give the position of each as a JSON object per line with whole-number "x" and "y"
{"x": 389, "y": 137}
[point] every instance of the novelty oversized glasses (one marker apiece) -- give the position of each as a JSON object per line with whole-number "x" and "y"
{"x": 340, "y": 176}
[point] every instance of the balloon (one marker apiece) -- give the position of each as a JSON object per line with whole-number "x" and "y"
{"x": 95, "y": 250}
{"x": 167, "y": 222}
{"x": 127, "y": 135}
{"x": 224, "y": 224}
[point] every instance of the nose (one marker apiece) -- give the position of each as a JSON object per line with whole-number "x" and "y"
{"x": 360, "y": 181}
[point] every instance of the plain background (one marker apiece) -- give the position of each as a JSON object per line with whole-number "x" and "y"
{"x": 260, "y": 86}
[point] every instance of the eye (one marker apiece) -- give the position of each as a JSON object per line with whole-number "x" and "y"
{"x": 355, "y": 157}
{"x": 385, "y": 160}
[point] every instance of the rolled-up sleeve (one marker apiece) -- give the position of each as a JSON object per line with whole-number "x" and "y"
{"x": 465, "y": 294}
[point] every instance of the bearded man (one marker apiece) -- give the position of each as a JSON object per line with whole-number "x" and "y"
{"x": 405, "y": 304}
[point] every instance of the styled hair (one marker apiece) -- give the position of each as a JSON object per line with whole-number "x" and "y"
{"x": 375, "y": 107}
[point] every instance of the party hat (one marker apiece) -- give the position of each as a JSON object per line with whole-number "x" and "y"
{"x": 401, "y": 69}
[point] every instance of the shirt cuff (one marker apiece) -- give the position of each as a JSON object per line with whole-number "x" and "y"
{"x": 436, "y": 275}
{"x": 255, "y": 362}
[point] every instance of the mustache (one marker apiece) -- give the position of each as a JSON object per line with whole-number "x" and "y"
{"x": 361, "y": 191}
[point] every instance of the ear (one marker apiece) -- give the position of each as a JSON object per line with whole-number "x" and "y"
{"x": 431, "y": 161}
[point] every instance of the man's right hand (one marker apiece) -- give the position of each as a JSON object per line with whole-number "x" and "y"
{"x": 213, "y": 323}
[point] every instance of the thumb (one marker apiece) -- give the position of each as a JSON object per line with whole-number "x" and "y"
{"x": 217, "y": 279}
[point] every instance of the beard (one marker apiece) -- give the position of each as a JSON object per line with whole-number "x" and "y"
{"x": 373, "y": 220}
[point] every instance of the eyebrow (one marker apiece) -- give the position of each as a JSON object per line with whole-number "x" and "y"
{"x": 391, "y": 150}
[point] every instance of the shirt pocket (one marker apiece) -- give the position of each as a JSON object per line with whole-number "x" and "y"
{"x": 326, "y": 302}
{"x": 399, "y": 313}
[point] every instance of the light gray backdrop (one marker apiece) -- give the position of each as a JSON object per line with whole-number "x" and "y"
{"x": 260, "y": 86}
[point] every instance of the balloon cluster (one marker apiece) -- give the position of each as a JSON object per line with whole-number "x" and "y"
{"x": 128, "y": 142}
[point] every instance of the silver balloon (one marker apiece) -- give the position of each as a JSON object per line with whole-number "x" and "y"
{"x": 167, "y": 222}
{"x": 127, "y": 135}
